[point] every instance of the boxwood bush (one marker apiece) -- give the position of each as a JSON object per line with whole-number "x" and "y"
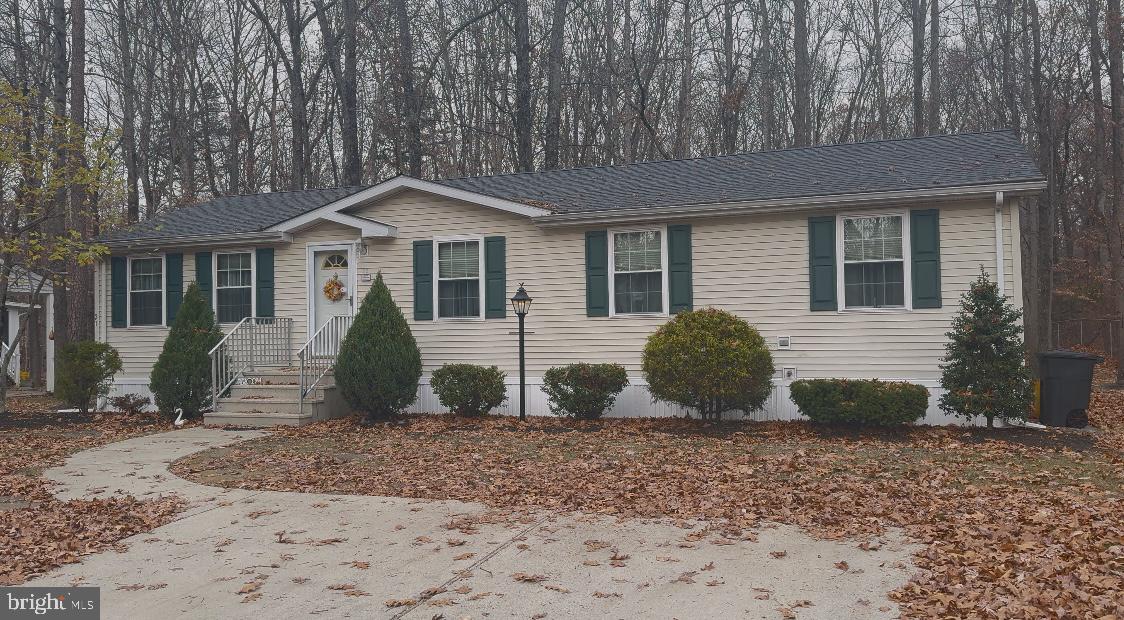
{"x": 860, "y": 401}
{"x": 710, "y": 361}
{"x": 468, "y": 389}
{"x": 584, "y": 391}
{"x": 85, "y": 372}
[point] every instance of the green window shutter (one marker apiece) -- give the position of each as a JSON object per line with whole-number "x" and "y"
{"x": 495, "y": 277}
{"x": 680, "y": 295}
{"x": 263, "y": 270}
{"x": 119, "y": 291}
{"x": 596, "y": 273}
{"x": 423, "y": 280}
{"x": 203, "y": 276}
{"x": 173, "y": 292}
{"x": 925, "y": 250}
{"x": 821, "y": 263}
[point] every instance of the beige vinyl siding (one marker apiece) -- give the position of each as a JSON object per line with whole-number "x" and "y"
{"x": 754, "y": 266}
{"x": 139, "y": 346}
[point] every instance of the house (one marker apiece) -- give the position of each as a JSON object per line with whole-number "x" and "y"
{"x": 850, "y": 259}
{"x": 29, "y": 301}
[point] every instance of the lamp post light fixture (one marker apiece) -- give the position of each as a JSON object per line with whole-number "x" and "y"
{"x": 521, "y": 303}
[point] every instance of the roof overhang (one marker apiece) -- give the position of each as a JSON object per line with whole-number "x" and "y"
{"x": 335, "y": 211}
{"x": 783, "y": 205}
{"x": 155, "y": 245}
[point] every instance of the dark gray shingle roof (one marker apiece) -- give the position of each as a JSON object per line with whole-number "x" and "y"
{"x": 888, "y": 165}
{"x": 232, "y": 214}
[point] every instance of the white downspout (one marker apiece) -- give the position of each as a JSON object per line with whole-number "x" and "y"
{"x": 999, "y": 275}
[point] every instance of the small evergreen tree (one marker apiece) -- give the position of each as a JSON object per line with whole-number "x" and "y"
{"x": 86, "y": 370}
{"x": 984, "y": 371}
{"x": 379, "y": 364}
{"x": 181, "y": 378}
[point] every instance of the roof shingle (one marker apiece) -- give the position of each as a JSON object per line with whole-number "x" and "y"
{"x": 833, "y": 170}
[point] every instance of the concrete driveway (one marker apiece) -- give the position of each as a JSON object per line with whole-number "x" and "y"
{"x": 238, "y": 553}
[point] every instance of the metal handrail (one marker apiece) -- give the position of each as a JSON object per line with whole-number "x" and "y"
{"x": 318, "y": 355}
{"x": 254, "y": 341}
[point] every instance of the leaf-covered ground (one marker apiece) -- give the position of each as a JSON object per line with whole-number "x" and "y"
{"x": 1015, "y": 522}
{"x": 39, "y": 532}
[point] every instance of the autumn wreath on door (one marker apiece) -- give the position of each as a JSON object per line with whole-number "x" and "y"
{"x": 334, "y": 290}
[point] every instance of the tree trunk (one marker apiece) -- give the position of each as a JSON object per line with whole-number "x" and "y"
{"x": 553, "y": 138}
{"x": 128, "y": 114}
{"x": 1116, "y": 96}
{"x": 524, "y": 123}
{"x": 683, "y": 105}
{"x": 80, "y": 318}
{"x": 411, "y": 104}
{"x": 56, "y": 222}
{"x": 802, "y": 91}
{"x": 918, "y": 17}
{"x": 934, "y": 67}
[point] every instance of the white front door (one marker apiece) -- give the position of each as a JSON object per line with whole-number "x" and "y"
{"x": 331, "y": 287}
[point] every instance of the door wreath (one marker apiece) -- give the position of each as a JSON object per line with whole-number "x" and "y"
{"x": 334, "y": 290}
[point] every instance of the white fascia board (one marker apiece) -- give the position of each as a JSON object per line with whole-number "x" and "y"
{"x": 783, "y": 205}
{"x": 368, "y": 228}
{"x": 401, "y": 183}
{"x": 195, "y": 241}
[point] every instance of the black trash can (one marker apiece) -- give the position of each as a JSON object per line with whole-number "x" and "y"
{"x": 1067, "y": 380}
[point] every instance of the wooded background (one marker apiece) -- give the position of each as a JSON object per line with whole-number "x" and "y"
{"x": 196, "y": 98}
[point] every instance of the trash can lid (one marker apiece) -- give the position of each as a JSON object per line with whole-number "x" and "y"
{"x": 1071, "y": 355}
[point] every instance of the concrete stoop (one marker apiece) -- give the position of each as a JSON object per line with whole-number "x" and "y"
{"x": 271, "y": 397}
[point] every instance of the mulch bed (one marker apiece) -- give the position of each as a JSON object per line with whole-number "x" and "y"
{"x": 1014, "y": 523}
{"x": 37, "y": 531}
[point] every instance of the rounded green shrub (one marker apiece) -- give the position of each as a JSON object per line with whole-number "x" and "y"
{"x": 379, "y": 364}
{"x": 468, "y": 389}
{"x": 710, "y": 361}
{"x": 181, "y": 377}
{"x": 584, "y": 391}
{"x": 860, "y": 401}
{"x": 85, "y": 372}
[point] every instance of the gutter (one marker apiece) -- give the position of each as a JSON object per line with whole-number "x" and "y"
{"x": 199, "y": 240}
{"x": 786, "y": 205}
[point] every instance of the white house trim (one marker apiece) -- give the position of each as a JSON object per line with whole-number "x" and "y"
{"x": 1000, "y": 280}
{"x": 163, "y": 291}
{"x": 907, "y": 263}
{"x": 437, "y": 241}
{"x": 368, "y": 228}
{"x": 398, "y": 184}
{"x": 613, "y": 271}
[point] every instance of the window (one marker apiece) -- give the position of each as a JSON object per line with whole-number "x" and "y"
{"x": 146, "y": 291}
{"x": 874, "y": 262}
{"x": 638, "y": 275}
{"x": 234, "y": 287}
{"x": 458, "y": 279}
{"x": 335, "y": 261}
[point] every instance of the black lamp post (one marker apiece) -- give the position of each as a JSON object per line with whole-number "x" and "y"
{"x": 521, "y": 302}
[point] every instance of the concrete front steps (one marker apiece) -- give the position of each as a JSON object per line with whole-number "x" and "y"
{"x": 271, "y": 397}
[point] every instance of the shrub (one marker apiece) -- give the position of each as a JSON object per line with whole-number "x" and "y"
{"x": 85, "y": 372}
{"x": 984, "y": 373}
{"x": 470, "y": 390}
{"x": 584, "y": 391}
{"x": 709, "y": 360}
{"x": 860, "y": 401}
{"x": 379, "y": 364}
{"x": 181, "y": 377}
{"x": 130, "y": 404}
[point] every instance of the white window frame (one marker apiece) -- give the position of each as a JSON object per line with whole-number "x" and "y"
{"x": 163, "y": 324}
{"x": 437, "y": 241}
{"x": 907, "y": 262}
{"x": 613, "y": 270}
{"x": 253, "y": 281}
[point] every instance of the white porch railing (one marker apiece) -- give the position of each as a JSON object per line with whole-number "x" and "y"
{"x": 13, "y": 369}
{"x": 318, "y": 355}
{"x": 255, "y": 341}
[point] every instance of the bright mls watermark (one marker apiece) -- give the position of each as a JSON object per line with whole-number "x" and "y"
{"x": 82, "y": 603}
